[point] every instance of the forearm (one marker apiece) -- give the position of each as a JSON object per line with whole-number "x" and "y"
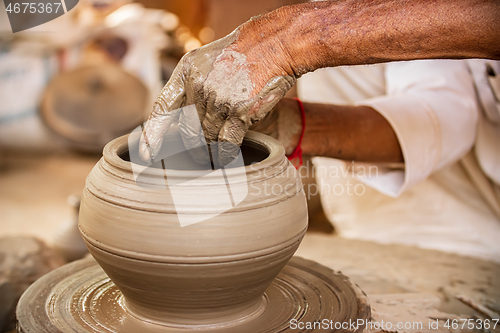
{"x": 320, "y": 34}
{"x": 357, "y": 133}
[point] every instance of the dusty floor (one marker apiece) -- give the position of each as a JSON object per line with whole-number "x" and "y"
{"x": 33, "y": 201}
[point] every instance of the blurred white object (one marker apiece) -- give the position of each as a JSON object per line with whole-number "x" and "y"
{"x": 141, "y": 28}
{"x": 67, "y": 239}
{"x": 26, "y": 66}
{"x": 486, "y": 74}
{"x": 25, "y": 69}
{"x": 127, "y": 13}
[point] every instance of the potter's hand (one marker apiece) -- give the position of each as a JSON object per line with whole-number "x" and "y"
{"x": 233, "y": 82}
{"x": 284, "y": 123}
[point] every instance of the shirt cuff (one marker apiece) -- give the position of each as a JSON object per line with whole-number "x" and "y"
{"x": 421, "y": 152}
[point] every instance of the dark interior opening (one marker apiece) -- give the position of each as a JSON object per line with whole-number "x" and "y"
{"x": 251, "y": 152}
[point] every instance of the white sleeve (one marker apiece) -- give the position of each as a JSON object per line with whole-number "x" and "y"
{"x": 431, "y": 105}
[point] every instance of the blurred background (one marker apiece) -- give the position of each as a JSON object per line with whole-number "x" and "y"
{"x": 92, "y": 74}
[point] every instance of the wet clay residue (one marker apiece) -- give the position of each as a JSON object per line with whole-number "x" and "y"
{"x": 83, "y": 299}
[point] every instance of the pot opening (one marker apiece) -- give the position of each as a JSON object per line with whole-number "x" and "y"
{"x": 251, "y": 151}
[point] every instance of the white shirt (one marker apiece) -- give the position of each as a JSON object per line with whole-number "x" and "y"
{"x": 430, "y": 201}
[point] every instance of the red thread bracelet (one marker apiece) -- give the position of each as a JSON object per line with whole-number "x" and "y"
{"x": 297, "y": 153}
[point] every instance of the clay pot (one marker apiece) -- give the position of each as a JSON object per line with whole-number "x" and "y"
{"x": 212, "y": 272}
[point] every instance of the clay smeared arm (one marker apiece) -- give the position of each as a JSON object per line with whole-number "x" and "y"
{"x": 309, "y": 36}
{"x": 235, "y": 81}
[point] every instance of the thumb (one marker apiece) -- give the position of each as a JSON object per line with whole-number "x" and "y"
{"x": 230, "y": 138}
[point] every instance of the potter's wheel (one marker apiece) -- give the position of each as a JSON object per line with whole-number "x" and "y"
{"x": 79, "y": 297}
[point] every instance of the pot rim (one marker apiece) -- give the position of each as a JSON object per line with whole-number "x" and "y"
{"x": 261, "y": 141}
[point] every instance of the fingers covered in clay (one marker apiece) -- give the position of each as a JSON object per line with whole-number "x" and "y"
{"x": 230, "y": 138}
{"x": 170, "y": 98}
{"x": 270, "y": 95}
{"x": 192, "y": 135}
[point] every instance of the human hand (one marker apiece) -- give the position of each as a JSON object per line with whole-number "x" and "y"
{"x": 233, "y": 82}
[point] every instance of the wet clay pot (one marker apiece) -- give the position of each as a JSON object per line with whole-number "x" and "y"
{"x": 212, "y": 272}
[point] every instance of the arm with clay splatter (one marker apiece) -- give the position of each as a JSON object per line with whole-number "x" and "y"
{"x": 235, "y": 81}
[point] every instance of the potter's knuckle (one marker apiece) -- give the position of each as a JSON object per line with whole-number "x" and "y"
{"x": 210, "y": 132}
{"x": 185, "y": 65}
{"x": 209, "y": 90}
{"x": 245, "y": 120}
{"x": 258, "y": 117}
{"x": 157, "y": 109}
